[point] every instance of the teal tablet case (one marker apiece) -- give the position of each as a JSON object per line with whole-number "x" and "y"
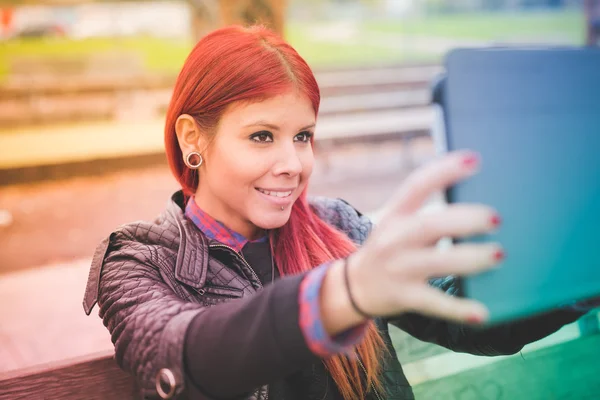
{"x": 534, "y": 116}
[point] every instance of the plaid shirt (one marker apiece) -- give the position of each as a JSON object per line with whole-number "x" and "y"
{"x": 318, "y": 341}
{"x": 214, "y": 229}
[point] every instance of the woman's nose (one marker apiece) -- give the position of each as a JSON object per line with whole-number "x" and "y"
{"x": 289, "y": 161}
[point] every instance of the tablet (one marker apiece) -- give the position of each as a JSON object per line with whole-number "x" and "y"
{"x": 534, "y": 117}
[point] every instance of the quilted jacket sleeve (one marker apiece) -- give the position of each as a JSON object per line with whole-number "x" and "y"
{"x": 196, "y": 351}
{"x": 145, "y": 317}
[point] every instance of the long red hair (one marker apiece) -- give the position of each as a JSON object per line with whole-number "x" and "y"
{"x": 249, "y": 64}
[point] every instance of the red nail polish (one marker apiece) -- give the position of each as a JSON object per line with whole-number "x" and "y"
{"x": 474, "y": 319}
{"x": 499, "y": 255}
{"x": 470, "y": 161}
{"x": 496, "y": 220}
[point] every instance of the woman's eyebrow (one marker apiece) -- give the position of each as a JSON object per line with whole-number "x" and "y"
{"x": 275, "y": 127}
{"x": 263, "y": 123}
{"x": 308, "y": 127}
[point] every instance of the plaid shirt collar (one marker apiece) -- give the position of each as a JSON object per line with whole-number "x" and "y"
{"x": 214, "y": 229}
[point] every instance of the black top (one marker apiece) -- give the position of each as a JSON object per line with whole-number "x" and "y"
{"x": 298, "y": 384}
{"x": 258, "y": 255}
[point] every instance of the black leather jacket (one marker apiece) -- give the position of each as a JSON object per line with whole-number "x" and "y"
{"x": 152, "y": 279}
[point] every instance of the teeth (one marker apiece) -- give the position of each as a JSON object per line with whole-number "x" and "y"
{"x": 276, "y": 194}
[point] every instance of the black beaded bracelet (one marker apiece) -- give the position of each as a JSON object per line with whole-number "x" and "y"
{"x": 350, "y": 297}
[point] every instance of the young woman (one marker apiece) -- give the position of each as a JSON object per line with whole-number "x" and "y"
{"x": 243, "y": 288}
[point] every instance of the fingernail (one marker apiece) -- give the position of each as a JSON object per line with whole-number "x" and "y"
{"x": 499, "y": 255}
{"x": 475, "y": 319}
{"x": 470, "y": 161}
{"x": 496, "y": 220}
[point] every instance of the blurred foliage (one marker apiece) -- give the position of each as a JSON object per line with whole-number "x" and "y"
{"x": 495, "y": 26}
{"x": 380, "y": 41}
{"x": 158, "y": 55}
{"x": 368, "y": 42}
{"x": 318, "y": 52}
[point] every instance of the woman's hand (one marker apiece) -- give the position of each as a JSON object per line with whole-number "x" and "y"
{"x": 389, "y": 274}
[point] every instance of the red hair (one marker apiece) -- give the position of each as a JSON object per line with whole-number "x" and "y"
{"x": 235, "y": 64}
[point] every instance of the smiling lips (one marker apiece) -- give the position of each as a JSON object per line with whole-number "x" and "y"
{"x": 280, "y": 197}
{"x": 276, "y": 193}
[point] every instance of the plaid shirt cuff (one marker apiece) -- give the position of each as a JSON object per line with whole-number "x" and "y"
{"x": 319, "y": 342}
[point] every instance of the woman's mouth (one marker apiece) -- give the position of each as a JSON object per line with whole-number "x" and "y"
{"x": 278, "y": 197}
{"x": 276, "y": 193}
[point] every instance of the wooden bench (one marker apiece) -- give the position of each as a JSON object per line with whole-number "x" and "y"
{"x": 95, "y": 377}
{"x": 41, "y": 97}
{"x": 140, "y": 102}
{"x": 569, "y": 369}
{"x": 363, "y": 102}
{"x": 35, "y": 155}
{"x": 403, "y": 125}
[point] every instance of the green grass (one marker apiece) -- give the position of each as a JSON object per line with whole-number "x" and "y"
{"x": 368, "y": 45}
{"x": 157, "y": 55}
{"x": 326, "y": 53}
{"x": 491, "y": 26}
{"x": 373, "y": 43}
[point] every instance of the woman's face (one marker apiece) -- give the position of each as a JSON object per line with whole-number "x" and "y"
{"x": 258, "y": 164}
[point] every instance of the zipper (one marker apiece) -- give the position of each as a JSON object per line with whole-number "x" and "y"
{"x": 212, "y": 246}
{"x": 241, "y": 257}
{"x": 372, "y": 386}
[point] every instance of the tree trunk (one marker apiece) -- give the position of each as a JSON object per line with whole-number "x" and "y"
{"x": 208, "y": 15}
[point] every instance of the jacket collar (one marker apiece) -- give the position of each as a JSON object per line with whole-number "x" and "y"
{"x": 192, "y": 255}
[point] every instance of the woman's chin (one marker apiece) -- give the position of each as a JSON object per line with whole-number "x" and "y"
{"x": 274, "y": 220}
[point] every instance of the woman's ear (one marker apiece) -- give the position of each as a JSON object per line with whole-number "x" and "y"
{"x": 188, "y": 134}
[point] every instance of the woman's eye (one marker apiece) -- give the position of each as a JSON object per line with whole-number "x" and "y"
{"x": 304, "y": 136}
{"x": 262, "y": 137}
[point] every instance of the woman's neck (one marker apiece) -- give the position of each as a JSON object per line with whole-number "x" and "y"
{"x": 230, "y": 219}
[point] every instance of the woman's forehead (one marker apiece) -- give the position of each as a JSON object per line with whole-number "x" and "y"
{"x": 288, "y": 108}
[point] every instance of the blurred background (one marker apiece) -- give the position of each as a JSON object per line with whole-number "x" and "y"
{"x": 84, "y": 86}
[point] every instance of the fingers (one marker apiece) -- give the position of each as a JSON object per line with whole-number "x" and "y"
{"x": 433, "y": 302}
{"x": 463, "y": 259}
{"x": 429, "y": 179}
{"x": 455, "y": 220}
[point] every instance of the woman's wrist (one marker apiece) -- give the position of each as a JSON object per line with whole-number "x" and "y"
{"x": 337, "y": 311}
{"x": 350, "y": 292}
